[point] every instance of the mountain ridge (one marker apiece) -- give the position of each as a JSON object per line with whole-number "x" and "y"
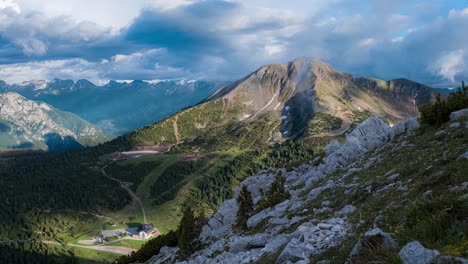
{"x": 118, "y": 107}
{"x": 290, "y": 94}
{"x": 31, "y": 124}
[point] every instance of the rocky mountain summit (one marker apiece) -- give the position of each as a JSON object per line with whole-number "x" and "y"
{"x": 26, "y": 124}
{"x": 365, "y": 200}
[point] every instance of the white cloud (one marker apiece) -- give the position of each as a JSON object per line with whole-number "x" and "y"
{"x": 458, "y": 13}
{"x": 366, "y": 42}
{"x": 108, "y": 13}
{"x": 146, "y": 65}
{"x": 450, "y": 64}
{"x": 65, "y": 69}
{"x": 165, "y": 5}
{"x": 10, "y": 4}
{"x": 398, "y": 39}
{"x": 32, "y": 46}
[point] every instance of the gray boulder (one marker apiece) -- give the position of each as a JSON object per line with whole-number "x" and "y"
{"x": 275, "y": 244}
{"x": 256, "y": 183}
{"x": 240, "y": 244}
{"x": 375, "y": 238}
{"x": 455, "y": 116}
{"x": 241, "y": 257}
{"x": 415, "y": 253}
{"x": 393, "y": 176}
{"x": 348, "y": 209}
{"x": 405, "y": 126}
{"x": 294, "y": 251}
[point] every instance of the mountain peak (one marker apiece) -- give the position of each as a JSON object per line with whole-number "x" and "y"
{"x": 11, "y": 95}
{"x": 30, "y": 122}
{"x": 83, "y": 83}
{"x": 3, "y": 84}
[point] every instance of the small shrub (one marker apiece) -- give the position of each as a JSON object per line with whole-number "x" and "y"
{"x": 438, "y": 112}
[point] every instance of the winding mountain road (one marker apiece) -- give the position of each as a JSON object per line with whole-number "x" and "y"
{"x": 124, "y": 186}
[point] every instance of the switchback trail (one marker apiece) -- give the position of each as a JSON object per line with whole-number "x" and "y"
{"x": 124, "y": 186}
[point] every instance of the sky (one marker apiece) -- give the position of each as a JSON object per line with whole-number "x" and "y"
{"x": 102, "y": 40}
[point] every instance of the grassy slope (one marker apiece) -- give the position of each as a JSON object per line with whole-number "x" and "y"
{"x": 88, "y": 256}
{"x": 165, "y": 217}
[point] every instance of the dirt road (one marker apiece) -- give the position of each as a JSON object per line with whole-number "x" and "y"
{"x": 124, "y": 186}
{"x": 110, "y": 249}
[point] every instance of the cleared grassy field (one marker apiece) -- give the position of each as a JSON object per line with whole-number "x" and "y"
{"x": 136, "y": 244}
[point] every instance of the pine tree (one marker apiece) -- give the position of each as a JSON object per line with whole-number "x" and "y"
{"x": 186, "y": 232}
{"x": 245, "y": 208}
{"x": 276, "y": 194}
{"x": 438, "y": 112}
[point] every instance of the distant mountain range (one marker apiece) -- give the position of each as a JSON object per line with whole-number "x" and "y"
{"x": 117, "y": 107}
{"x": 281, "y": 101}
{"x": 27, "y": 124}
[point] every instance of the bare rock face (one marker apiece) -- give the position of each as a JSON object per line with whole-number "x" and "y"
{"x": 371, "y": 133}
{"x": 220, "y": 224}
{"x": 398, "y": 88}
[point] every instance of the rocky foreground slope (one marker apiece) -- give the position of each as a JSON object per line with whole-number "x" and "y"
{"x": 379, "y": 197}
{"x": 27, "y": 124}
